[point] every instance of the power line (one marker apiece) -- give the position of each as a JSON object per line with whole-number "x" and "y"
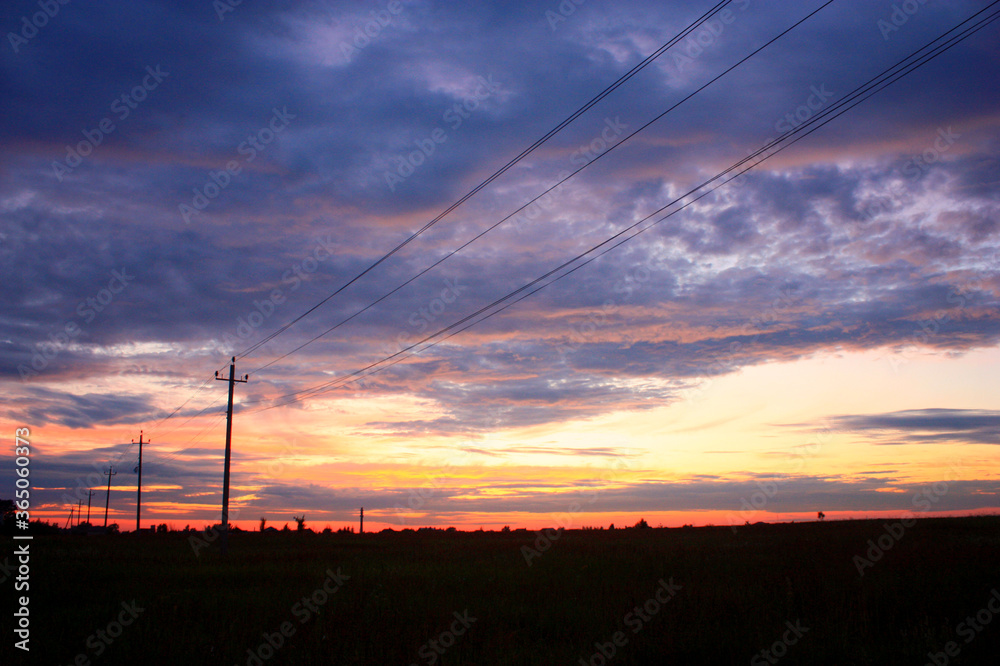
{"x": 213, "y": 405}
{"x": 173, "y": 455}
{"x": 524, "y": 153}
{"x": 912, "y": 67}
{"x": 200, "y": 388}
{"x": 859, "y": 95}
{"x": 543, "y": 194}
{"x": 610, "y": 149}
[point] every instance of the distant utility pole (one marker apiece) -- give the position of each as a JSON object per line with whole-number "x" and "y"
{"x": 111, "y": 472}
{"x": 90, "y": 493}
{"x": 229, "y": 438}
{"x": 69, "y": 521}
{"x": 138, "y": 501}
{"x": 362, "y": 521}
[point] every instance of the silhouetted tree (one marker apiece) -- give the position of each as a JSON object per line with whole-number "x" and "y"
{"x": 642, "y": 524}
{"x": 263, "y": 523}
{"x": 821, "y": 515}
{"x": 301, "y": 523}
{"x": 7, "y": 509}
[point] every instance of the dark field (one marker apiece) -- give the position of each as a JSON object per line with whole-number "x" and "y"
{"x": 740, "y": 594}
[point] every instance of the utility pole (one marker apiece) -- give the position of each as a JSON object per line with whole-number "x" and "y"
{"x": 111, "y": 472}
{"x": 138, "y": 501}
{"x": 229, "y": 438}
{"x": 90, "y": 494}
{"x": 69, "y": 521}
{"x": 362, "y": 531}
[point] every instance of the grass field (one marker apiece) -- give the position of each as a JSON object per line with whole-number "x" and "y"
{"x": 650, "y": 596}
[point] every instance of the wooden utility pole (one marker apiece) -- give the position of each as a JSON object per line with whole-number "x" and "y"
{"x": 229, "y": 438}
{"x": 90, "y": 493}
{"x": 138, "y": 500}
{"x": 362, "y": 531}
{"x": 111, "y": 472}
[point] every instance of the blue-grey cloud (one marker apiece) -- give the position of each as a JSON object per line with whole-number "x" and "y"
{"x": 920, "y": 426}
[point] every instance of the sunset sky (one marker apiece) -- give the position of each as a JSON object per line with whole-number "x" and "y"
{"x": 179, "y": 180}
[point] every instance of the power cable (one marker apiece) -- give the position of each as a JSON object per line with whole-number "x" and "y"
{"x": 524, "y": 153}
{"x": 847, "y": 103}
{"x": 543, "y": 194}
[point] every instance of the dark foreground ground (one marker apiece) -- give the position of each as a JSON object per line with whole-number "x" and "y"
{"x": 653, "y": 596}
